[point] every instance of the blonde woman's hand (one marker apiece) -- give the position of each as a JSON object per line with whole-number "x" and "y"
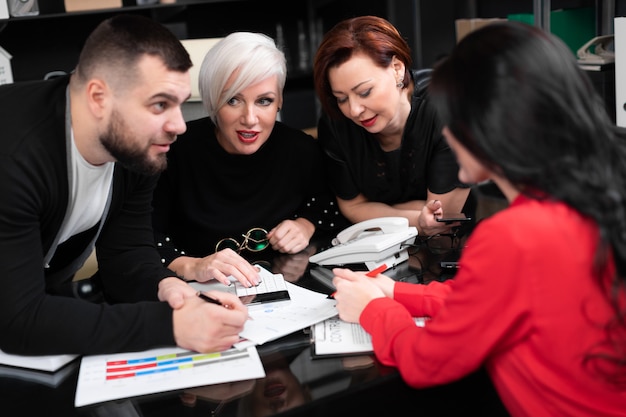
{"x": 291, "y": 236}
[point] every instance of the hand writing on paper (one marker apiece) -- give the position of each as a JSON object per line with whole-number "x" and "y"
{"x": 354, "y": 291}
{"x": 209, "y": 327}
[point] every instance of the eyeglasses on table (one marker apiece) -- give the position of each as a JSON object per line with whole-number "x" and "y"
{"x": 254, "y": 240}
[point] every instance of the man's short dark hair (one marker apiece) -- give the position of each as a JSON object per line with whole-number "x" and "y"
{"x": 120, "y": 41}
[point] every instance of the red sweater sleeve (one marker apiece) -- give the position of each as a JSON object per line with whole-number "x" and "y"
{"x": 525, "y": 304}
{"x": 422, "y": 300}
{"x": 456, "y": 341}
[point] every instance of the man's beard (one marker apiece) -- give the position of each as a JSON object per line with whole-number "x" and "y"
{"x": 122, "y": 147}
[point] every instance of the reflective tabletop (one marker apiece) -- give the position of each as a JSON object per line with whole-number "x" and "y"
{"x": 296, "y": 383}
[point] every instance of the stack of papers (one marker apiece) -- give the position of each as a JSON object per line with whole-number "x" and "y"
{"x": 271, "y": 321}
{"x": 111, "y": 377}
{"x": 337, "y": 337}
{"x": 49, "y": 370}
{"x": 48, "y": 363}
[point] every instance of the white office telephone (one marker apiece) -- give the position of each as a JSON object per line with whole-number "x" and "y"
{"x": 597, "y": 50}
{"x": 374, "y": 242}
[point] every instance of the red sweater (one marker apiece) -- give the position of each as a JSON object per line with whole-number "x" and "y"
{"x": 523, "y": 303}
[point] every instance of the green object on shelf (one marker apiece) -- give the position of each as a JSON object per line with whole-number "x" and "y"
{"x": 574, "y": 26}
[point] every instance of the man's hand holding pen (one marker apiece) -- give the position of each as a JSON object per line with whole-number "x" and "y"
{"x": 209, "y": 326}
{"x": 212, "y": 300}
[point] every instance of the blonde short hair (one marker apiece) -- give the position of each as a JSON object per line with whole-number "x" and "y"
{"x": 253, "y": 56}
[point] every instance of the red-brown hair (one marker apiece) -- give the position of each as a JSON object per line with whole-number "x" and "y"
{"x": 371, "y": 35}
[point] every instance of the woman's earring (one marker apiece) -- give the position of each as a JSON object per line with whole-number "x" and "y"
{"x": 400, "y": 84}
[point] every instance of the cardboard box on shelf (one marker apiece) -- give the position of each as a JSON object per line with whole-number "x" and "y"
{"x": 197, "y": 49}
{"x": 465, "y": 26}
{"x": 79, "y": 5}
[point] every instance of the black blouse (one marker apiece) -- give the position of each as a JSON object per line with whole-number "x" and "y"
{"x": 207, "y": 194}
{"x": 357, "y": 164}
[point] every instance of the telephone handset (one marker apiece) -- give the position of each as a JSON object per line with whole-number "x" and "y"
{"x": 372, "y": 226}
{"x": 373, "y": 242}
{"x": 597, "y": 50}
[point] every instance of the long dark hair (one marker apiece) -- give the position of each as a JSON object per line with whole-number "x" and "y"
{"x": 514, "y": 97}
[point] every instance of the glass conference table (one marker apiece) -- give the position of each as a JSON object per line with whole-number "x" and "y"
{"x": 296, "y": 384}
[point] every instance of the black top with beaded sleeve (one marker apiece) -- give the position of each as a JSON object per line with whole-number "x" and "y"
{"x": 207, "y": 194}
{"x": 358, "y": 165}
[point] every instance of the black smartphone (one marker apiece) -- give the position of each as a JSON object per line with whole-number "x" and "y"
{"x": 450, "y": 261}
{"x": 266, "y": 297}
{"x": 449, "y": 218}
{"x": 449, "y": 265}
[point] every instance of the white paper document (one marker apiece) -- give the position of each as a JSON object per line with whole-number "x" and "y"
{"x": 51, "y": 379}
{"x": 620, "y": 70}
{"x": 48, "y": 363}
{"x": 337, "y": 337}
{"x": 110, "y": 377}
{"x": 4, "y": 10}
{"x": 271, "y": 321}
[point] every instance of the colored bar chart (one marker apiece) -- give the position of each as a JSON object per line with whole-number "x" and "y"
{"x": 110, "y": 377}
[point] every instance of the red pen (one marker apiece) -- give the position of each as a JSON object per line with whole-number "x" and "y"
{"x": 372, "y": 274}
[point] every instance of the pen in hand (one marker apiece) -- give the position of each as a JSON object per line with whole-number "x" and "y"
{"x": 214, "y": 301}
{"x": 372, "y": 274}
{"x": 211, "y": 300}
